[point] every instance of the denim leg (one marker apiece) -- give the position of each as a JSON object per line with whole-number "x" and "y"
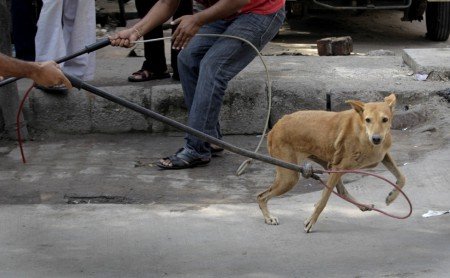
{"x": 222, "y": 61}
{"x": 190, "y": 57}
{"x": 189, "y": 61}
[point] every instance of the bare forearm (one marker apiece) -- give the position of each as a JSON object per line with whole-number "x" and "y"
{"x": 160, "y": 13}
{"x": 43, "y": 73}
{"x": 164, "y": 9}
{"x": 14, "y": 67}
{"x": 188, "y": 25}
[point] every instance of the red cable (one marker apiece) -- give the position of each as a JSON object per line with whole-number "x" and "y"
{"x": 366, "y": 206}
{"x": 19, "y": 112}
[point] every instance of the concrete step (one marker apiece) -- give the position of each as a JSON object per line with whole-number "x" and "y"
{"x": 298, "y": 82}
{"x": 433, "y": 62}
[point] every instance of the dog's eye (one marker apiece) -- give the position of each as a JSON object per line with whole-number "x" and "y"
{"x": 367, "y": 120}
{"x": 385, "y": 120}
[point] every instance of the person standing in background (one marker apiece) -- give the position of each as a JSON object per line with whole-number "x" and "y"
{"x": 24, "y": 16}
{"x": 155, "y": 66}
{"x": 9, "y": 97}
{"x": 64, "y": 27}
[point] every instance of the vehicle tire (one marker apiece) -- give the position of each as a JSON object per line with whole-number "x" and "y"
{"x": 438, "y": 20}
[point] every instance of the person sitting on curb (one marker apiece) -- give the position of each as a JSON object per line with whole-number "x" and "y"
{"x": 206, "y": 64}
{"x": 45, "y": 73}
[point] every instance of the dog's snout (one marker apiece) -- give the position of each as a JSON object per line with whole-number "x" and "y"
{"x": 376, "y": 139}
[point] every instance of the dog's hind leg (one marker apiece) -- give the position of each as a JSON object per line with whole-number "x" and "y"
{"x": 389, "y": 163}
{"x": 326, "y": 192}
{"x": 285, "y": 180}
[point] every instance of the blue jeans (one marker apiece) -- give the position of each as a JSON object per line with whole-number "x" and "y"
{"x": 207, "y": 64}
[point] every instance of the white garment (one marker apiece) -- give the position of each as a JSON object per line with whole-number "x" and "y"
{"x": 64, "y": 27}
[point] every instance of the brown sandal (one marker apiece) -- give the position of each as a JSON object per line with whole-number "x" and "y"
{"x": 145, "y": 75}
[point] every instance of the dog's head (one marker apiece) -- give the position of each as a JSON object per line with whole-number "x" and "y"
{"x": 376, "y": 117}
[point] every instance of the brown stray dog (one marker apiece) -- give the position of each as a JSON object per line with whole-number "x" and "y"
{"x": 352, "y": 139}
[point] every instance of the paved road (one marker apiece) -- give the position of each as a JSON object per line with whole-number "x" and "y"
{"x": 204, "y": 222}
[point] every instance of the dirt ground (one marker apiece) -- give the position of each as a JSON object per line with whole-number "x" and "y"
{"x": 371, "y": 30}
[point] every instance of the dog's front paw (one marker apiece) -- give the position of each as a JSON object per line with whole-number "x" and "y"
{"x": 272, "y": 220}
{"x": 309, "y": 223}
{"x": 391, "y": 197}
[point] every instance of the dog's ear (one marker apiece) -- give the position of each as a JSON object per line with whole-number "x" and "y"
{"x": 390, "y": 100}
{"x": 357, "y": 105}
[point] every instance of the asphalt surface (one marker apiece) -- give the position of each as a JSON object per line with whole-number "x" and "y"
{"x": 205, "y": 222}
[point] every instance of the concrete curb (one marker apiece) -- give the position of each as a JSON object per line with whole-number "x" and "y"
{"x": 298, "y": 83}
{"x": 428, "y": 60}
